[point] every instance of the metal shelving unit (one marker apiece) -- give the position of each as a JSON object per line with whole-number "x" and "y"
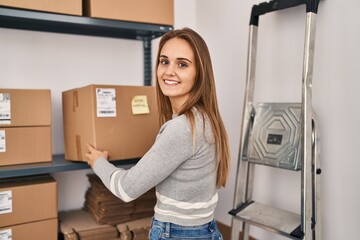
{"x": 60, "y": 23}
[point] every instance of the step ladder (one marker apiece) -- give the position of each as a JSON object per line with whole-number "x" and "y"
{"x": 281, "y": 135}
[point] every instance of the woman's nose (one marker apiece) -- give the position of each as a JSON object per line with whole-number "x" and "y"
{"x": 170, "y": 70}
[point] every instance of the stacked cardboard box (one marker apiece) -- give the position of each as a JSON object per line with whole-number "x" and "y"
{"x": 25, "y": 126}
{"x": 106, "y": 208}
{"x": 73, "y": 7}
{"x": 155, "y": 11}
{"x": 135, "y": 230}
{"x": 25, "y": 211}
{"x": 120, "y": 119}
{"x": 79, "y": 225}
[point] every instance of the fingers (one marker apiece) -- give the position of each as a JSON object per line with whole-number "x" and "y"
{"x": 89, "y": 147}
{"x": 93, "y": 154}
{"x": 90, "y": 158}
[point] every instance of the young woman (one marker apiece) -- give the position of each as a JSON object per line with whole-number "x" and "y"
{"x": 189, "y": 160}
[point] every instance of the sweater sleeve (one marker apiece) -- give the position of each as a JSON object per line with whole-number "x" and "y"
{"x": 172, "y": 147}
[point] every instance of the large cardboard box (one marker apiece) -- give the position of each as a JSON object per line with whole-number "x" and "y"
{"x": 25, "y": 200}
{"x": 40, "y": 230}
{"x": 120, "y": 119}
{"x": 25, "y": 107}
{"x": 73, "y": 7}
{"x": 154, "y": 11}
{"x": 21, "y": 145}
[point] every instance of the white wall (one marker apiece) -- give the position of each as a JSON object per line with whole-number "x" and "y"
{"x": 60, "y": 62}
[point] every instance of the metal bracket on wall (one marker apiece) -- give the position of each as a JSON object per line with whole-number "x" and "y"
{"x": 147, "y": 61}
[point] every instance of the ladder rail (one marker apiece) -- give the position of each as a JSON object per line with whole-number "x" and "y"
{"x": 245, "y": 170}
{"x": 316, "y": 179}
{"x": 307, "y": 115}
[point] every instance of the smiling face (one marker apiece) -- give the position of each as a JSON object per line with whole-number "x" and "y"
{"x": 176, "y": 71}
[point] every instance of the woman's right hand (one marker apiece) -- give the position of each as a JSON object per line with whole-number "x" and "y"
{"x": 93, "y": 154}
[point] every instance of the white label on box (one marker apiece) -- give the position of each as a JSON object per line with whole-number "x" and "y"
{"x": 6, "y": 234}
{"x": 2, "y": 141}
{"x": 5, "y": 202}
{"x": 105, "y": 102}
{"x": 139, "y": 105}
{"x": 5, "y": 113}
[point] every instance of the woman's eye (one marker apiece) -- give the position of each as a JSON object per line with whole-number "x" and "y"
{"x": 182, "y": 65}
{"x": 164, "y": 61}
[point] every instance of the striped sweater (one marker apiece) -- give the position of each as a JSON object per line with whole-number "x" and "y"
{"x": 183, "y": 171}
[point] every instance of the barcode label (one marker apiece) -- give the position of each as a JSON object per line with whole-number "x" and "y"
{"x": 2, "y": 141}
{"x": 105, "y": 102}
{"x": 4, "y": 97}
{"x": 5, "y": 114}
{"x": 5, "y": 202}
{"x": 6, "y": 234}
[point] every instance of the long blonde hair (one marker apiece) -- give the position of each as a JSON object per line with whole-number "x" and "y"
{"x": 202, "y": 97}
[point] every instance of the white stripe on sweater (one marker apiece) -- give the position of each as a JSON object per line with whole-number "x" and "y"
{"x": 181, "y": 215}
{"x": 117, "y": 186}
{"x": 186, "y": 205}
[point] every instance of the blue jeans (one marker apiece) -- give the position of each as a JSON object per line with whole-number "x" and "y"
{"x": 167, "y": 231}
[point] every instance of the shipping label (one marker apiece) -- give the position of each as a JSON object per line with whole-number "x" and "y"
{"x": 5, "y": 202}
{"x": 5, "y": 113}
{"x": 2, "y": 141}
{"x": 6, "y": 234}
{"x": 105, "y": 102}
{"x": 139, "y": 105}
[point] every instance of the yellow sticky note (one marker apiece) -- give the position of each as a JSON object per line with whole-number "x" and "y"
{"x": 139, "y": 105}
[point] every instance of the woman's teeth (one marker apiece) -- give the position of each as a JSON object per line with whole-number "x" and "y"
{"x": 171, "y": 82}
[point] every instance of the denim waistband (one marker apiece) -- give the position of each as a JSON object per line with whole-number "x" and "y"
{"x": 173, "y": 225}
{"x": 168, "y": 226}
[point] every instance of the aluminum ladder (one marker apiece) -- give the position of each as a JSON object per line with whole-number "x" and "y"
{"x": 281, "y": 135}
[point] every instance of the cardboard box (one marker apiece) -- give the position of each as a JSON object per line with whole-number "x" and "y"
{"x": 25, "y": 200}
{"x": 78, "y": 224}
{"x": 40, "y": 230}
{"x": 25, "y": 107}
{"x": 154, "y": 11}
{"x": 20, "y": 145}
{"x": 120, "y": 119}
{"x": 73, "y": 7}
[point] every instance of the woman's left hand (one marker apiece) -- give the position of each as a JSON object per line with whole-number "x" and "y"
{"x": 93, "y": 154}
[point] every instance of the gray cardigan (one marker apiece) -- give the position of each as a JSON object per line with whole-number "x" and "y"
{"x": 183, "y": 171}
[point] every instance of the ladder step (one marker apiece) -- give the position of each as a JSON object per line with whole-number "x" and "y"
{"x": 273, "y": 219}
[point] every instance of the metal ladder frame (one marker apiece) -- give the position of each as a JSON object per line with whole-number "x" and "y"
{"x": 310, "y": 183}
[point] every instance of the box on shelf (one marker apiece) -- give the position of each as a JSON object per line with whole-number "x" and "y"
{"x": 73, "y": 7}
{"x": 155, "y": 11}
{"x": 39, "y": 230}
{"x": 25, "y": 107}
{"x": 25, "y": 126}
{"x": 27, "y": 199}
{"x": 21, "y": 145}
{"x": 120, "y": 119}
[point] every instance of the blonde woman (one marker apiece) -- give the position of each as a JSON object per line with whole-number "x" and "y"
{"x": 189, "y": 160}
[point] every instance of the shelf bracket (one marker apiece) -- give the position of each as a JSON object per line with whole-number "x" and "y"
{"x": 147, "y": 62}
